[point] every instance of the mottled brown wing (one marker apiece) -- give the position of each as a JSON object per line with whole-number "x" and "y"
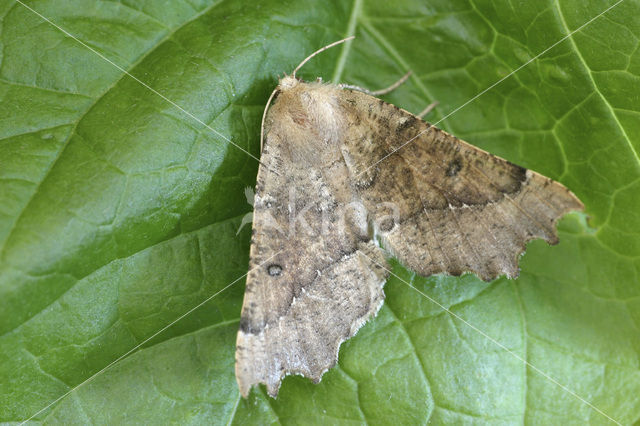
{"x": 313, "y": 279}
{"x": 460, "y": 208}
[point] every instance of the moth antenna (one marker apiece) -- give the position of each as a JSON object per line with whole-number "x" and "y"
{"x": 328, "y": 46}
{"x": 264, "y": 116}
{"x": 394, "y": 86}
{"x": 428, "y": 109}
{"x": 391, "y": 88}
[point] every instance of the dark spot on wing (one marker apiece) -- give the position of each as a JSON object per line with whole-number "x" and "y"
{"x": 408, "y": 123}
{"x": 520, "y": 173}
{"x": 248, "y": 326}
{"x": 454, "y": 167}
{"x": 274, "y": 270}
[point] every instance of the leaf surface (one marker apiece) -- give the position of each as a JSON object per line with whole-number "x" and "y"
{"x": 119, "y": 211}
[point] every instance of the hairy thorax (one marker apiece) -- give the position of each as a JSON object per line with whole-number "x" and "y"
{"x": 312, "y": 128}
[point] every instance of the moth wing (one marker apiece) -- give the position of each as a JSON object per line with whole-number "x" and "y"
{"x": 308, "y": 288}
{"x": 459, "y": 208}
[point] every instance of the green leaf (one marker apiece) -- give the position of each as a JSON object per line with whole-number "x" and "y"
{"x": 119, "y": 211}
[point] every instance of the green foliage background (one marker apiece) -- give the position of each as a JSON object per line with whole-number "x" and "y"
{"x": 118, "y": 212}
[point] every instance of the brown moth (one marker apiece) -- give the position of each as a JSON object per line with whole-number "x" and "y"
{"x": 331, "y": 173}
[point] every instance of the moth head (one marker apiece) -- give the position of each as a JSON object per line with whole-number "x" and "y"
{"x": 288, "y": 82}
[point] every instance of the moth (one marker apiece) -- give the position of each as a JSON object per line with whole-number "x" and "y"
{"x": 347, "y": 180}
